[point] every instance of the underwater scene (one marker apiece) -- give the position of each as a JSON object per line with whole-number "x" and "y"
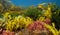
{"x": 29, "y": 17}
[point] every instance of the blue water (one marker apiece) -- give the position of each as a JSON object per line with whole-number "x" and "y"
{"x": 33, "y": 2}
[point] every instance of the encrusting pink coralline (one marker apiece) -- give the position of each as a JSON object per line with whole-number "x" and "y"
{"x": 37, "y": 25}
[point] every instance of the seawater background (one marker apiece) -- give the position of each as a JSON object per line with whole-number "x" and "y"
{"x": 33, "y": 2}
